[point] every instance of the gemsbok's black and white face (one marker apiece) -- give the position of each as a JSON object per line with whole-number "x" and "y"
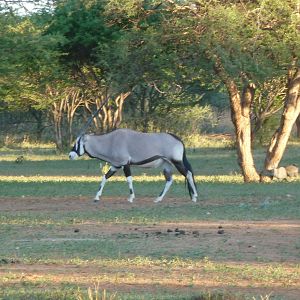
{"x": 78, "y": 149}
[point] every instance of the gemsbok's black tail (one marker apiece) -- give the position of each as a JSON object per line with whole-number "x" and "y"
{"x": 184, "y": 168}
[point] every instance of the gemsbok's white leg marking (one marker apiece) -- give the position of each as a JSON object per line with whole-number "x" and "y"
{"x": 99, "y": 193}
{"x": 166, "y": 188}
{"x": 112, "y": 170}
{"x": 169, "y": 180}
{"x": 190, "y": 179}
{"x": 132, "y": 195}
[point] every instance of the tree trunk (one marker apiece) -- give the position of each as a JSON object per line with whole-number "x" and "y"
{"x": 240, "y": 106}
{"x": 58, "y": 135}
{"x": 57, "y": 111}
{"x": 74, "y": 100}
{"x": 298, "y": 125}
{"x": 240, "y": 114}
{"x": 257, "y": 126}
{"x": 290, "y": 114}
{"x": 38, "y": 115}
{"x": 143, "y": 111}
{"x": 110, "y": 116}
{"x": 118, "y": 115}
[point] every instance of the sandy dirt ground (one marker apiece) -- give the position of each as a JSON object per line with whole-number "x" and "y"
{"x": 271, "y": 241}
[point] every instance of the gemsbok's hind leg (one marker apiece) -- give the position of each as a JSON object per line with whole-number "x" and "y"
{"x": 186, "y": 171}
{"x": 169, "y": 180}
{"x": 128, "y": 176}
{"x": 112, "y": 170}
{"x": 191, "y": 182}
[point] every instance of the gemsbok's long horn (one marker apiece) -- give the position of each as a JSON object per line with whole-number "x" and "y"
{"x": 90, "y": 120}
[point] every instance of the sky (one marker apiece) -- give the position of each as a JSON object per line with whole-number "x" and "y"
{"x": 24, "y": 7}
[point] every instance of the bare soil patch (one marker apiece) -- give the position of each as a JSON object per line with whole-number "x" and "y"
{"x": 229, "y": 242}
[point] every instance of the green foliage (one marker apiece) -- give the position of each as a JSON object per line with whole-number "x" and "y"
{"x": 163, "y": 52}
{"x": 184, "y": 121}
{"x": 33, "y": 64}
{"x": 266, "y": 132}
{"x": 251, "y": 40}
{"x": 82, "y": 25}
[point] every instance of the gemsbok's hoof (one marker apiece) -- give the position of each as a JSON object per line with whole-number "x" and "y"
{"x": 96, "y": 200}
{"x": 130, "y": 199}
{"x": 157, "y": 200}
{"x": 194, "y": 199}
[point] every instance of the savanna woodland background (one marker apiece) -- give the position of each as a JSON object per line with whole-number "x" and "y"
{"x": 222, "y": 75}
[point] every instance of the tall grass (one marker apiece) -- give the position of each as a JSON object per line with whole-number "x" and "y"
{"x": 95, "y": 293}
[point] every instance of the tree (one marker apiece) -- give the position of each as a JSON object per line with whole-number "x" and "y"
{"x": 245, "y": 45}
{"x": 64, "y": 103}
{"x": 87, "y": 47}
{"x": 157, "y": 51}
{"x": 268, "y": 101}
{"x": 289, "y": 116}
{"x": 148, "y": 62}
{"x": 30, "y": 66}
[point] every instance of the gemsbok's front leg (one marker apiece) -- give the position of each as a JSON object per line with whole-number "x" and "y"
{"x": 128, "y": 176}
{"x": 112, "y": 170}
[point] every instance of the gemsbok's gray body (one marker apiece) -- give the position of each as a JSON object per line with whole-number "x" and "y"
{"x": 123, "y": 148}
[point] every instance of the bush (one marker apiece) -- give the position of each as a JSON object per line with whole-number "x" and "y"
{"x": 182, "y": 121}
{"x": 264, "y": 135}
